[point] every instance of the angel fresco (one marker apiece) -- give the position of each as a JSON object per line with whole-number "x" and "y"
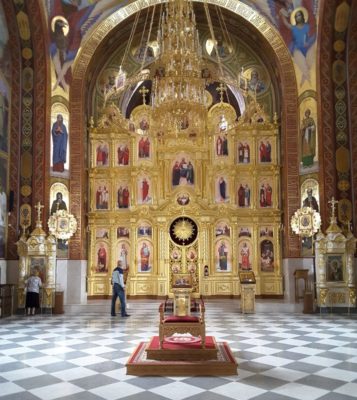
{"x": 296, "y": 22}
{"x": 70, "y": 23}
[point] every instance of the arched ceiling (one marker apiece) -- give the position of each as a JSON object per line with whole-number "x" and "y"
{"x": 238, "y": 29}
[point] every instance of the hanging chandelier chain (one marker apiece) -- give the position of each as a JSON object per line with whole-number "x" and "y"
{"x": 148, "y": 38}
{"x": 223, "y": 26}
{"x": 128, "y": 46}
{"x": 178, "y": 94}
{"x": 141, "y": 44}
{"x": 208, "y": 16}
{"x": 226, "y": 37}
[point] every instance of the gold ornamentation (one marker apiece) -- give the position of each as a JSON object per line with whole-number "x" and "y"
{"x": 338, "y": 298}
{"x": 62, "y": 225}
{"x": 197, "y": 141}
{"x": 25, "y": 216}
{"x": 352, "y": 296}
{"x": 305, "y": 222}
{"x": 183, "y": 229}
{"x": 179, "y": 90}
{"x": 26, "y": 190}
{"x": 323, "y": 296}
{"x": 333, "y": 227}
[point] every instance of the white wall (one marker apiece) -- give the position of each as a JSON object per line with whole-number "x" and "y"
{"x": 289, "y": 267}
{"x": 2, "y": 271}
{"x": 70, "y": 278}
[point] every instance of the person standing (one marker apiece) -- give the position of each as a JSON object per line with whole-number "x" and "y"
{"x": 120, "y": 197}
{"x": 246, "y": 153}
{"x": 141, "y": 148}
{"x": 126, "y": 196}
{"x": 99, "y": 198}
{"x": 145, "y": 190}
{"x": 102, "y": 259}
{"x": 222, "y": 189}
{"x": 99, "y": 155}
{"x": 222, "y": 257}
{"x": 268, "y": 151}
{"x": 262, "y": 152}
{"x": 308, "y": 139}
{"x": 123, "y": 257}
{"x": 219, "y": 146}
{"x": 246, "y": 195}
{"x": 268, "y": 195}
{"x": 59, "y": 140}
{"x": 241, "y": 196}
{"x": 144, "y": 258}
{"x": 118, "y": 290}
{"x": 245, "y": 253}
{"x": 176, "y": 174}
{"x": 147, "y": 148}
{"x": 240, "y": 152}
{"x": 33, "y": 286}
{"x": 190, "y": 173}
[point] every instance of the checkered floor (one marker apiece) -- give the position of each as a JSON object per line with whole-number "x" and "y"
{"x": 281, "y": 356}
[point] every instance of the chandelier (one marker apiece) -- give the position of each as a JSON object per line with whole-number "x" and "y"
{"x": 179, "y": 97}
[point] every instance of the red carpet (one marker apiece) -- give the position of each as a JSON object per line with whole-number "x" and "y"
{"x": 178, "y": 348}
{"x": 225, "y": 364}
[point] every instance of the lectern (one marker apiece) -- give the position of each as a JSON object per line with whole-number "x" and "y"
{"x": 182, "y": 288}
{"x": 247, "y": 284}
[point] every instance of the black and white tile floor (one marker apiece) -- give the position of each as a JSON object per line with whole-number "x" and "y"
{"x": 281, "y": 356}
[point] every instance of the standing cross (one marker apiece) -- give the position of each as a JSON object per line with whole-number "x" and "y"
{"x": 39, "y": 207}
{"x": 333, "y": 202}
{"x": 221, "y": 89}
{"x": 143, "y": 91}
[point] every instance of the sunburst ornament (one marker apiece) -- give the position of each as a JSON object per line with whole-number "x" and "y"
{"x": 305, "y": 222}
{"x": 183, "y": 231}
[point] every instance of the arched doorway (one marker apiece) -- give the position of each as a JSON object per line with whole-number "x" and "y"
{"x": 289, "y": 130}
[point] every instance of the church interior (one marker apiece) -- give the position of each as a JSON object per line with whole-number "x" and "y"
{"x": 205, "y": 148}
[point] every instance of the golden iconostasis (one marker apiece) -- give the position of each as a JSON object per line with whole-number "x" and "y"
{"x": 188, "y": 201}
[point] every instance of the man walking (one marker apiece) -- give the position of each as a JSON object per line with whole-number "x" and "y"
{"x": 118, "y": 290}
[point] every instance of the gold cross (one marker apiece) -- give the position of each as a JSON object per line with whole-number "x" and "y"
{"x": 39, "y": 207}
{"x": 143, "y": 91}
{"x": 221, "y": 89}
{"x": 332, "y": 203}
